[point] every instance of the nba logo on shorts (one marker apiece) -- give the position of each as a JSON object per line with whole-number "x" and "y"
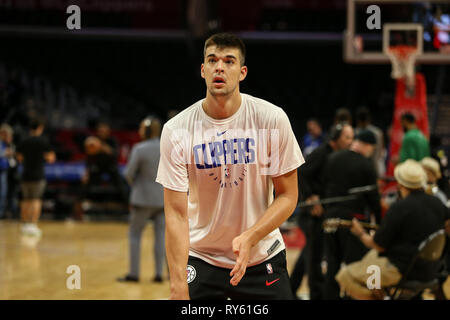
{"x": 269, "y": 268}
{"x": 191, "y": 273}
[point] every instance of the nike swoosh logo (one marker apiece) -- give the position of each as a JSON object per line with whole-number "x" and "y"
{"x": 271, "y": 282}
{"x": 221, "y": 133}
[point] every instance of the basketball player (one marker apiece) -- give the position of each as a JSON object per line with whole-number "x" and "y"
{"x": 221, "y": 160}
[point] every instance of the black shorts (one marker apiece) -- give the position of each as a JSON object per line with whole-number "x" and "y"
{"x": 33, "y": 190}
{"x": 268, "y": 280}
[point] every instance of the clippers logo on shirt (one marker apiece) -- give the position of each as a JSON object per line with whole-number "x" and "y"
{"x": 217, "y": 153}
{"x": 227, "y": 158}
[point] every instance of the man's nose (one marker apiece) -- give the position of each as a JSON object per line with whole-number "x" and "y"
{"x": 219, "y": 66}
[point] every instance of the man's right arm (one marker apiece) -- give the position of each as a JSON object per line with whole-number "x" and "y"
{"x": 177, "y": 242}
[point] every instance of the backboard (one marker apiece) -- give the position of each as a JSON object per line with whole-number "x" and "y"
{"x": 374, "y": 25}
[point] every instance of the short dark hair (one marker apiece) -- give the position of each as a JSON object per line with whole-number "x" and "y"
{"x": 226, "y": 40}
{"x": 408, "y": 117}
{"x": 343, "y": 115}
{"x": 315, "y": 120}
{"x": 102, "y": 123}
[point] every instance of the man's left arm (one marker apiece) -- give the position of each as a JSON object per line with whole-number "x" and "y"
{"x": 366, "y": 238}
{"x": 286, "y": 196}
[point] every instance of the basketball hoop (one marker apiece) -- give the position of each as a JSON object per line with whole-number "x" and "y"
{"x": 403, "y": 58}
{"x": 403, "y": 43}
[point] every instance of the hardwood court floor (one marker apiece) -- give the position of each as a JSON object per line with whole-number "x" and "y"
{"x": 100, "y": 249}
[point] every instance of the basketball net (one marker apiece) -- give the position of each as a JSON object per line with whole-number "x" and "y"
{"x": 403, "y": 59}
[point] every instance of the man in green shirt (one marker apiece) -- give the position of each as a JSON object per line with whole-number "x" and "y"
{"x": 414, "y": 145}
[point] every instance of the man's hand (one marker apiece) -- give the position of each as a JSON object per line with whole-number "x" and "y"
{"x": 357, "y": 229}
{"x": 241, "y": 248}
{"x": 50, "y": 157}
{"x": 317, "y": 209}
{"x": 366, "y": 238}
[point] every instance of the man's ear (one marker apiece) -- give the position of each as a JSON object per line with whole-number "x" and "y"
{"x": 202, "y": 70}
{"x": 244, "y": 71}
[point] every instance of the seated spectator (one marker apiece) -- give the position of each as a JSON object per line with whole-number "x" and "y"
{"x": 313, "y": 138}
{"x": 438, "y": 152}
{"x": 433, "y": 171}
{"x": 407, "y": 223}
{"x": 101, "y": 167}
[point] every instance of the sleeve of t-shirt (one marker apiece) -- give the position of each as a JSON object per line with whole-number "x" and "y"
{"x": 287, "y": 156}
{"x": 172, "y": 169}
{"x": 385, "y": 234}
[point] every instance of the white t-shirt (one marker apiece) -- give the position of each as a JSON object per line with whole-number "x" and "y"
{"x": 226, "y": 167}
